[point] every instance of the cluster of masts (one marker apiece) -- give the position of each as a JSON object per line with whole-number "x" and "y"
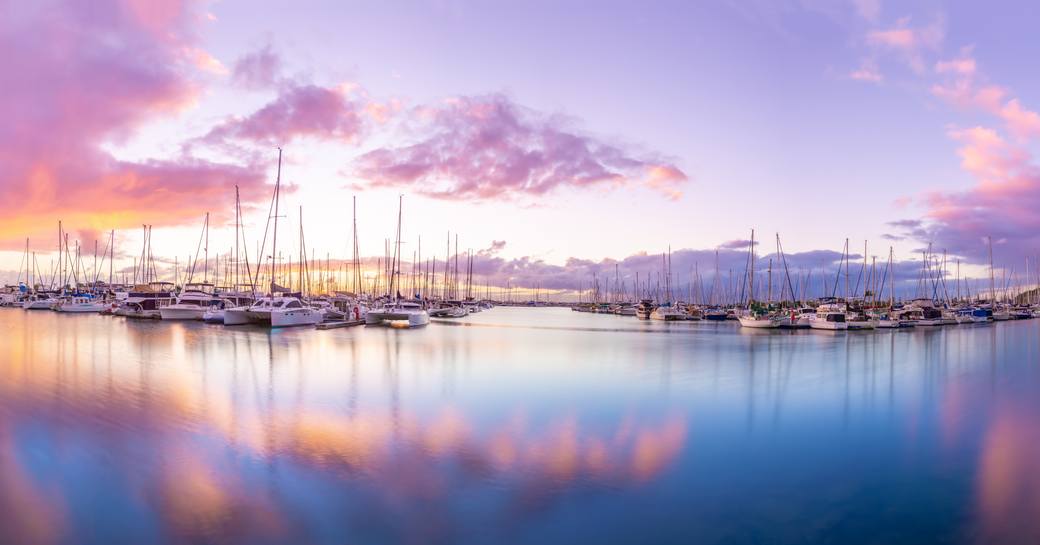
{"x": 785, "y": 302}
{"x": 268, "y": 290}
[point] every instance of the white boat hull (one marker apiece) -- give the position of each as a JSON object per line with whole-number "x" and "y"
{"x": 178, "y": 312}
{"x": 81, "y": 308}
{"x": 414, "y": 319}
{"x": 213, "y": 316}
{"x": 758, "y": 323}
{"x": 236, "y": 316}
{"x": 828, "y": 326}
{"x": 37, "y": 305}
{"x": 929, "y": 322}
{"x": 295, "y": 317}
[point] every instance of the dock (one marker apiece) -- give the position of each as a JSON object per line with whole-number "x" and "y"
{"x": 339, "y": 323}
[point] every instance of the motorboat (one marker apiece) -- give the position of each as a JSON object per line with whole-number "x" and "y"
{"x": 408, "y": 312}
{"x": 667, "y": 313}
{"x": 644, "y": 309}
{"x": 859, "y": 320}
{"x": 625, "y": 309}
{"x": 715, "y": 314}
{"x": 924, "y": 313}
{"x": 829, "y": 316}
{"x": 191, "y": 304}
{"x": 144, "y": 300}
{"x": 449, "y": 311}
{"x": 799, "y": 319}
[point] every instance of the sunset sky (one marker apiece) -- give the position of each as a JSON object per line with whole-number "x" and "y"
{"x": 549, "y": 135}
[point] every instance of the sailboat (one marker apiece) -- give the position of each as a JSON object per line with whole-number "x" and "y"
{"x": 755, "y": 316}
{"x": 398, "y": 310}
{"x": 274, "y": 310}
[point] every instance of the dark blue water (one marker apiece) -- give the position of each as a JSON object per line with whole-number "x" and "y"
{"x": 523, "y": 426}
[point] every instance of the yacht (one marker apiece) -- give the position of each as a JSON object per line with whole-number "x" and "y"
{"x": 449, "y": 311}
{"x": 1000, "y": 313}
{"x": 761, "y": 320}
{"x": 625, "y": 309}
{"x": 214, "y": 314}
{"x": 715, "y": 314}
{"x": 799, "y": 319}
{"x": 40, "y": 300}
{"x": 400, "y": 312}
{"x": 79, "y": 303}
{"x": 829, "y": 316}
{"x": 644, "y": 309}
{"x": 191, "y": 304}
{"x": 277, "y": 311}
{"x": 144, "y": 300}
{"x": 975, "y": 315}
{"x": 667, "y": 313}
{"x": 924, "y": 313}
{"x": 859, "y": 320}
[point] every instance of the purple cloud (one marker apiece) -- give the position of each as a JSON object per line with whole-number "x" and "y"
{"x": 488, "y": 147}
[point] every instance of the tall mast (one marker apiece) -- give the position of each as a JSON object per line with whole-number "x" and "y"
{"x": 992, "y": 287}
{"x": 751, "y": 277}
{"x": 274, "y": 241}
{"x": 238, "y": 222}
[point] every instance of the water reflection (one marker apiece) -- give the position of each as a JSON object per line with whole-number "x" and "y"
{"x": 530, "y": 425}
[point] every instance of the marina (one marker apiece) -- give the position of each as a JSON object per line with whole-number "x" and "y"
{"x": 519, "y": 273}
{"x": 561, "y": 426}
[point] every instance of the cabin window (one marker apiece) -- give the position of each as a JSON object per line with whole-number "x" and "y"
{"x": 293, "y": 304}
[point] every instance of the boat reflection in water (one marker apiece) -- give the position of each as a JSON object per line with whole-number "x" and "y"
{"x": 523, "y": 425}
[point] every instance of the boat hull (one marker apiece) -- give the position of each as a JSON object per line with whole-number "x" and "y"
{"x": 177, "y": 312}
{"x": 213, "y": 316}
{"x": 236, "y": 316}
{"x": 414, "y": 319}
{"x": 295, "y": 317}
{"x": 81, "y": 309}
{"x": 828, "y": 326}
{"x": 757, "y": 323}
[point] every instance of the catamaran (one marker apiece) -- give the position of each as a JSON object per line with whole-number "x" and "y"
{"x": 192, "y": 303}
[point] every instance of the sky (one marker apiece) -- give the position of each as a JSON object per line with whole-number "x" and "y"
{"x": 554, "y": 138}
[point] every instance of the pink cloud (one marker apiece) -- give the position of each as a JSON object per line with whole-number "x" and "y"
{"x": 1020, "y": 121}
{"x": 867, "y": 71}
{"x": 966, "y": 90}
{"x": 964, "y": 66}
{"x": 488, "y": 147}
{"x": 298, "y": 111}
{"x": 1002, "y": 204}
{"x": 80, "y": 75}
{"x": 911, "y": 43}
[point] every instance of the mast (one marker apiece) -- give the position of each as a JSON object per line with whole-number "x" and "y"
{"x": 274, "y": 241}
{"x": 992, "y": 287}
{"x": 751, "y": 277}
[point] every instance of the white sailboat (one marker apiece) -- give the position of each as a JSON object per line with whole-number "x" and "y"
{"x": 398, "y": 310}
{"x": 79, "y": 303}
{"x": 753, "y": 316}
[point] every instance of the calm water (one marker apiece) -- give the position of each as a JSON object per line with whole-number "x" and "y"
{"x": 523, "y": 426}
